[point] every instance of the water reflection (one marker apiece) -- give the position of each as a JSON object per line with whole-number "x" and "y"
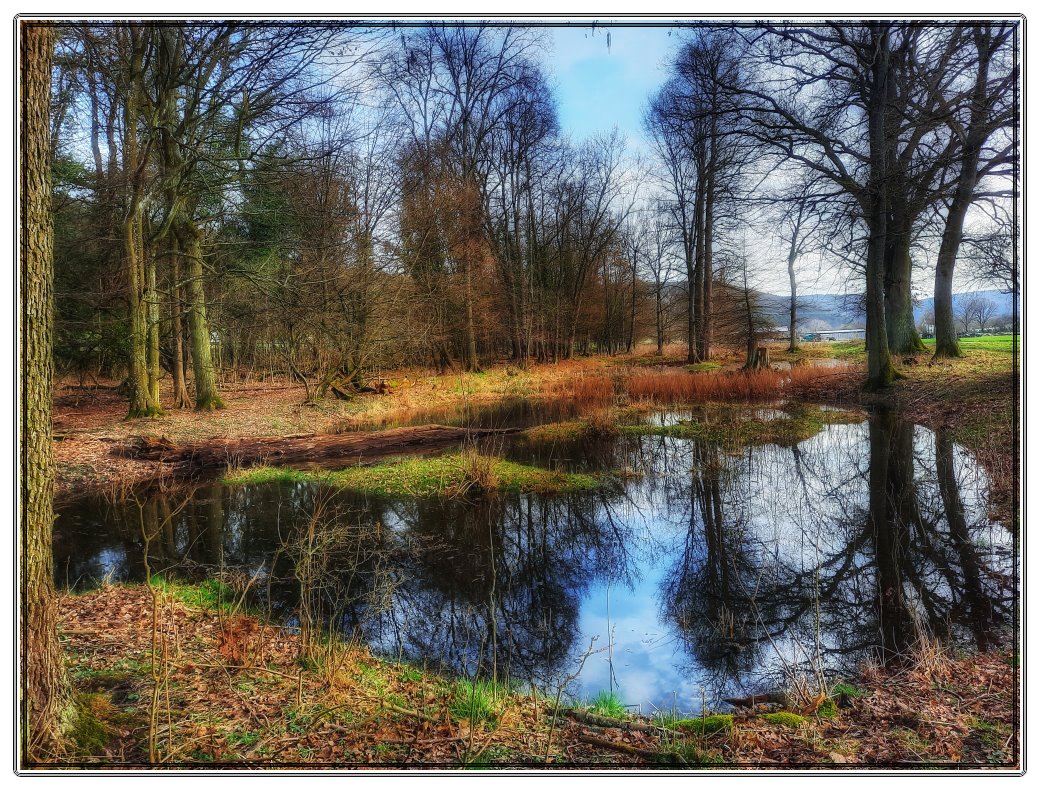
{"x": 699, "y": 574}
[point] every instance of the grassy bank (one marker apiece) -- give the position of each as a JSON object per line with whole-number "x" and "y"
{"x": 227, "y": 689}
{"x": 453, "y": 474}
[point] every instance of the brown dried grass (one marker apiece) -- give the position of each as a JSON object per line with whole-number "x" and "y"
{"x": 670, "y": 386}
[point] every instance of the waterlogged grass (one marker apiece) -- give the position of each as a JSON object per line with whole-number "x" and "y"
{"x": 455, "y": 473}
{"x": 733, "y": 428}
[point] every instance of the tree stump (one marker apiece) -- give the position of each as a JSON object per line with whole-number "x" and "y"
{"x": 759, "y": 359}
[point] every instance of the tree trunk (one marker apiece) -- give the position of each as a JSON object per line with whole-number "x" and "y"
{"x": 946, "y": 344}
{"x": 706, "y": 257}
{"x": 792, "y": 256}
{"x": 152, "y": 299}
{"x": 206, "y": 396}
{"x": 181, "y": 399}
{"x": 880, "y": 372}
{"x": 46, "y": 694}
{"x": 899, "y": 309}
{"x": 142, "y": 403}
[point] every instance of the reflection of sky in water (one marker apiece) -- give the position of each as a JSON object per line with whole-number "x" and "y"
{"x": 614, "y": 565}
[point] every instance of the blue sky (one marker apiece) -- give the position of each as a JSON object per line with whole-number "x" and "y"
{"x": 598, "y": 87}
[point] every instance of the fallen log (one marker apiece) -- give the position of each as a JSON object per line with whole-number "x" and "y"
{"x": 302, "y": 449}
{"x": 624, "y": 748}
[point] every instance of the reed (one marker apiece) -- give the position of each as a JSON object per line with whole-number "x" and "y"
{"x": 669, "y": 386}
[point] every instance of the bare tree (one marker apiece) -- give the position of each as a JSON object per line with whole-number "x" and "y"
{"x": 974, "y": 120}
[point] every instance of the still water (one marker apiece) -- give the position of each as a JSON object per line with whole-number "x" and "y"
{"x": 691, "y": 575}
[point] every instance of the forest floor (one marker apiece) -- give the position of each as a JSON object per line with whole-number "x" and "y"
{"x": 194, "y": 681}
{"x": 975, "y": 398}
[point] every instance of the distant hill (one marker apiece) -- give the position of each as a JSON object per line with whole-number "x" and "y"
{"x": 841, "y": 311}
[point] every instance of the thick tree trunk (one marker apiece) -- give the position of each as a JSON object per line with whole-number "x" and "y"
{"x": 47, "y": 707}
{"x": 899, "y": 309}
{"x": 142, "y": 404}
{"x": 880, "y": 372}
{"x": 206, "y": 396}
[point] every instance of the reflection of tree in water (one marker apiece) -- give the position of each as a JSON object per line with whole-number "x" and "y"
{"x": 494, "y": 585}
{"x": 708, "y": 592}
{"x": 863, "y": 530}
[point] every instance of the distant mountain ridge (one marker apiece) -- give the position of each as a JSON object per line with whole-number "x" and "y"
{"x": 838, "y": 311}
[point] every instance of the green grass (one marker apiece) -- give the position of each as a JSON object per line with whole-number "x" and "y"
{"x": 477, "y": 701}
{"x": 607, "y": 703}
{"x": 207, "y": 594}
{"x": 434, "y": 476}
{"x": 1003, "y": 344}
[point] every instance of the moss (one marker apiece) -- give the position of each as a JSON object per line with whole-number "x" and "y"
{"x": 707, "y": 725}
{"x": 785, "y": 719}
{"x": 455, "y": 473}
{"x": 88, "y": 732}
{"x": 827, "y": 709}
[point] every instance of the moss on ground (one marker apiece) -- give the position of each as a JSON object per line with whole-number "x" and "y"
{"x": 444, "y": 475}
{"x": 706, "y": 725}
{"x": 785, "y": 719}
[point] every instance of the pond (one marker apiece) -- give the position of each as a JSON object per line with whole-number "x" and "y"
{"x": 691, "y": 575}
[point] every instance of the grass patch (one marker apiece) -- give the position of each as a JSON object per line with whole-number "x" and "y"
{"x": 477, "y": 701}
{"x": 847, "y": 690}
{"x": 607, "y": 703}
{"x": 259, "y": 475}
{"x": 785, "y": 719}
{"x": 445, "y": 475}
{"x": 207, "y": 594}
{"x": 706, "y": 725}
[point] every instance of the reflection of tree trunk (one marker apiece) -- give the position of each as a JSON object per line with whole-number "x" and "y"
{"x": 974, "y": 601}
{"x": 214, "y": 530}
{"x": 891, "y": 460}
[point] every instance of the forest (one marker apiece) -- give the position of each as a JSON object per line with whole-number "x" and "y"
{"x": 349, "y": 312}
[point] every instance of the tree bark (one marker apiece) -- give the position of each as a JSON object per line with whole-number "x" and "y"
{"x": 181, "y": 399}
{"x": 206, "y": 396}
{"x": 47, "y": 706}
{"x": 880, "y": 372}
{"x": 142, "y": 404}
